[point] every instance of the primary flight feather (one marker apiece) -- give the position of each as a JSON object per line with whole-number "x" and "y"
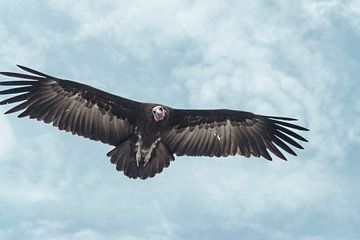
{"x": 145, "y": 135}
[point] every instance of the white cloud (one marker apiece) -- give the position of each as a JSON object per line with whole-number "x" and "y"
{"x": 47, "y": 229}
{"x": 8, "y": 138}
{"x": 271, "y": 58}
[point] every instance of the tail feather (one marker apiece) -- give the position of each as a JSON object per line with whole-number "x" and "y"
{"x": 124, "y": 157}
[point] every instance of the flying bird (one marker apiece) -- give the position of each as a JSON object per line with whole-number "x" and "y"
{"x": 146, "y": 136}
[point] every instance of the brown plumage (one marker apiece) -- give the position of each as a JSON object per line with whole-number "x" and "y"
{"x": 146, "y": 135}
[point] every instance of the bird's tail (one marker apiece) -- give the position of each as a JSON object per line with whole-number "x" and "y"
{"x": 124, "y": 156}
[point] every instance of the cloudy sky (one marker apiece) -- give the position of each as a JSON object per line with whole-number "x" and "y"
{"x": 289, "y": 58}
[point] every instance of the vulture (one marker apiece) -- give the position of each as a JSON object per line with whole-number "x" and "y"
{"x": 146, "y": 136}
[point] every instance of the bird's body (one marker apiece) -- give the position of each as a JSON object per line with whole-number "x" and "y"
{"x": 146, "y": 136}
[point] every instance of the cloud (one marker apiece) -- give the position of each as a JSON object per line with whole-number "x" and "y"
{"x": 47, "y": 229}
{"x": 8, "y": 138}
{"x": 272, "y": 58}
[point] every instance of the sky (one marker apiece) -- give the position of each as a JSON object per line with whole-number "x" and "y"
{"x": 288, "y": 58}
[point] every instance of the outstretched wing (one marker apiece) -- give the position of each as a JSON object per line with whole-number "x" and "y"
{"x": 70, "y": 106}
{"x": 226, "y": 132}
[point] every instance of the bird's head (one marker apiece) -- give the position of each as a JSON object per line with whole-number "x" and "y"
{"x": 159, "y": 113}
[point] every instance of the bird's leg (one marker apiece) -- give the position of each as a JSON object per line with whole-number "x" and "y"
{"x": 138, "y": 151}
{"x": 149, "y": 153}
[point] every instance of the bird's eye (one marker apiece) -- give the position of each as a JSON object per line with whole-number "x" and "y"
{"x": 161, "y": 109}
{"x": 154, "y": 112}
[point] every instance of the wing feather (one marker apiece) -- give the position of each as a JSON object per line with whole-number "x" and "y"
{"x": 283, "y": 145}
{"x": 70, "y": 106}
{"x": 291, "y": 133}
{"x": 269, "y": 145}
{"x": 224, "y": 132}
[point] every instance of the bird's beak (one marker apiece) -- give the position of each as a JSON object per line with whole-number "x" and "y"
{"x": 159, "y": 115}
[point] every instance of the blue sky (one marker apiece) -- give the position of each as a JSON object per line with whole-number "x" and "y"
{"x": 298, "y": 59}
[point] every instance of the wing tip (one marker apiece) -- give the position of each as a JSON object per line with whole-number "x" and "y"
{"x": 282, "y": 118}
{"x": 4, "y": 73}
{"x": 283, "y": 158}
{"x": 22, "y": 67}
{"x": 289, "y": 125}
{"x": 276, "y": 120}
{"x": 269, "y": 158}
{"x": 9, "y": 111}
{"x": 33, "y": 71}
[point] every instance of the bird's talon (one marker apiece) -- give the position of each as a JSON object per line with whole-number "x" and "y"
{"x": 147, "y": 158}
